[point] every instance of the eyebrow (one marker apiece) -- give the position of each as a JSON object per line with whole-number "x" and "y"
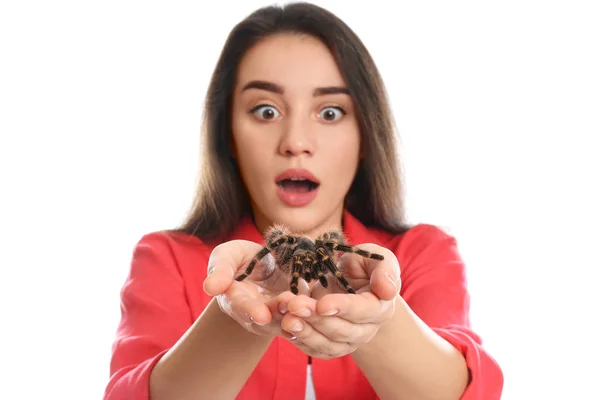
{"x": 273, "y": 87}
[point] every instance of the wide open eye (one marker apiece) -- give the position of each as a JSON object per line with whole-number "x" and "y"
{"x": 264, "y": 111}
{"x": 331, "y": 114}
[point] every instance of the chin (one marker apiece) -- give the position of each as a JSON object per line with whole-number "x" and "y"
{"x": 297, "y": 219}
{"x": 305, "y": 220}
{"x": 302, "y": 220}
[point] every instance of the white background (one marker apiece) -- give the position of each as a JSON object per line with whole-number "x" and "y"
{"x": 497, "y": 103}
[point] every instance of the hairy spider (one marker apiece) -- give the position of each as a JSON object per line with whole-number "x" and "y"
{"x": 304, "y": 258}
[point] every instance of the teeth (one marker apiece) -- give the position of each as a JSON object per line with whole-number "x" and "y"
{"x": 296, "y": 180}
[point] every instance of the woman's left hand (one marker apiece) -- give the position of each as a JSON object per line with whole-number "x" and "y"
{"x": 334, "y": 323}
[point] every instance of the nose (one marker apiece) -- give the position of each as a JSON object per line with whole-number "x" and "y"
{"x": 296, "y": 139}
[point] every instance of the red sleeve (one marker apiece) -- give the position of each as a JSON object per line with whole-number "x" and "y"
{"x": 434, "y": 285}
{"x": 154, "y": 315}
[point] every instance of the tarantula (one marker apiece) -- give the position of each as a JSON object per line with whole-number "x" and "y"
{"x": 304, "y": 258}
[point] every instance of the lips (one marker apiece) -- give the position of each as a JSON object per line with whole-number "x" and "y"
{"x": 297, "y": 187}
{"x": 294, "y": 174}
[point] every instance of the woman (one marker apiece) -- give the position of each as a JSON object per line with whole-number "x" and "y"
{"x": 298, "y": 133}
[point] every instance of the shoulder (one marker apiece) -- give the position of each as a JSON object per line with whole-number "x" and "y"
{"x": 170, "y": 250}
{"x": 167, "y": 266}
{"x": 173, "y": 242}
{"x": 411, "y": 239}
{"x": 414, "y": 237}
{"x": 421, "y": 236}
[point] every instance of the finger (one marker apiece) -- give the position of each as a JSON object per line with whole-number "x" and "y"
{"x": 383, "y": 285}
{"x": 332, "y": 327}
{"x": 341, "y": 330}
{"x": 383, "y": 275}
{"x": 311, "y": 338}
{"x": 249, "y": 313}
{"x": 358, "y": 308}
{"x": 278, "y": 306}
{"x": 224, "y": 262}
{"x": 246, "y": 309}
{"x": 302, "y": 306}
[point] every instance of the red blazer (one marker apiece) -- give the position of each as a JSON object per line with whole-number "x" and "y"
{"x": 163, "y": 295}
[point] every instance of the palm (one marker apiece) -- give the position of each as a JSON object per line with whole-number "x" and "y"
{"x": 264, "y": 287}
{"x": 266, "y": 282}
{"x": 352, "y": 267}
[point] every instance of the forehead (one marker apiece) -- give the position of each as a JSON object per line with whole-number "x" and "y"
{"x": 292, "y": 60}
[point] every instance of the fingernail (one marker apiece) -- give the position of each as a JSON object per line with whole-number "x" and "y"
{"x": 255, "y": 322}
{"x": 282, "y": 308}
{"x": 303, "y": 312}
{"x": 297, "y": 327}
{"x": 331, "y": 312}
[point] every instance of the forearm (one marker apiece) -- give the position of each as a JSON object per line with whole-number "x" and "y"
{"x": 212, "y": 360}
{"x": 408, "y": 360}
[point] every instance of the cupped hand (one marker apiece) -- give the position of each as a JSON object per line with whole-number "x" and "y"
{"x": 366, "y": 275}
{"x": 334, "y": 323}
{"x": 255, "y": 301}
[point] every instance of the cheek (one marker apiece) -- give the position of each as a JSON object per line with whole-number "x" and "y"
{"x": 245, "y": 139}
{"x": 252, "y": 151}
{"x": 343, "y": 155}
{"x": 251, "y": 159}
{"x": 346, "y": 168}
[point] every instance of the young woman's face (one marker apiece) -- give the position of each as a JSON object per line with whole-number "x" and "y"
{"x": 295, "y": 133}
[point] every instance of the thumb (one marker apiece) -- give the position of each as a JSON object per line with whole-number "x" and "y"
{"x": 224, "y": 262}
{"x": 383, "y": 284}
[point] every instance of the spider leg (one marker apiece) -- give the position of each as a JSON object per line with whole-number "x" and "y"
{"x": 305, "y": 269}
{"x": 296, "y": 266}
{"x": 351, "y": 249}
{"x": 319, "y": 272}
{"x": 259, "y": 256}
{"x": 326, "y": 260}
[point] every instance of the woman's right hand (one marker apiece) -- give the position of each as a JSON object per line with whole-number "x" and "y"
{"x": 254, "y": 302}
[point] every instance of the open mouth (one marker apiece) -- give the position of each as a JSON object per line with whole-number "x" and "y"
{"x": 296, "y": 185}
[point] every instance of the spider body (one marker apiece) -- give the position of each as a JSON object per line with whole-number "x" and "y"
{"x": 299, "y": 257}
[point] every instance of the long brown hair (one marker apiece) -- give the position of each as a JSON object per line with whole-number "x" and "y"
{"x": 376, "y": 194}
